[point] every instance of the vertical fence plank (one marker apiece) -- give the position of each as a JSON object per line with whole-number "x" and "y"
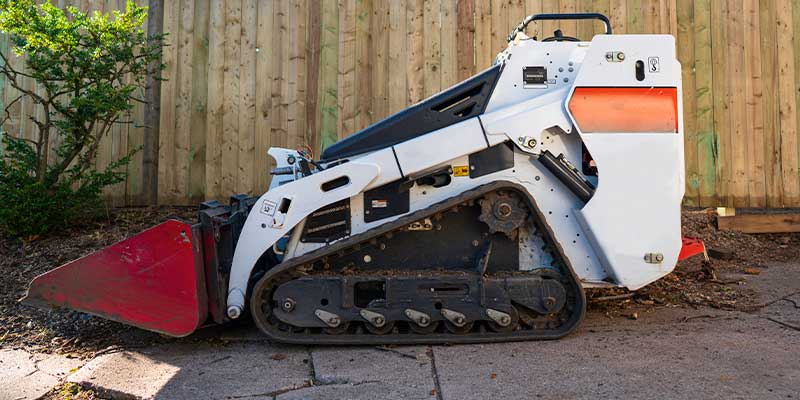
{"x": 247, "y": 112}
{"x": 786, "y": 104}
{"x": 794, "y": 169}
{"x": 263, "y": 121}
{"x": 633, "y": 12}
{"x": 397, "y": 57}
{"x": 166, "y": 153}
{"x": 298, "y": 17}
{"x": 449, "y": 59}
{"x": 198, "y": 104}
{"x": 569, "y": 27}
{"x": 769, "y": 68}
{"x": 704, "y": 113}
{"x": 754, "y": 130}
{"x": 364, "y": 61}
{"x": 415, "y": 65}
{"x": 380, "y": 64}
{"x": 183, "y": 103}
{"x": 686, "y": 57}
{"x": 546, "y": 28}
{"x": 721, "y": 121}
{"x": 232, "y": 96}
{"x": 216, "y": 88}
{"x": 619, "y": 16}
{"x": 347, "y": 63}
{"x": 328, "y": 75}
{"x": 313, "y": 72}
{"x": 432, "y": 47}
{"x": 736, "y": 104}
{"x": 585, "y": 28}
{"x": 465, "y": 40}
{"x": 483, "y": 34}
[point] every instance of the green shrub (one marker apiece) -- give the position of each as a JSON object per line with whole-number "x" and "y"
{"x": 89, "y": 70}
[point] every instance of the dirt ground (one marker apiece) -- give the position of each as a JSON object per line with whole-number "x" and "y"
{"x": 692, "y": 284}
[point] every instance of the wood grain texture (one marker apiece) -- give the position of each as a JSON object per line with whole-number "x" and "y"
{"x": 329, "y": 74}
{"x": 787, "y": 103}
{"x": 769, "y": 69}
{"x": 465, "y": 39}
{"x": 244, "y": 75}
{"x": 704, "y": 104}
{"x": 686, "y": 57}
{"x": 760, "y": 223}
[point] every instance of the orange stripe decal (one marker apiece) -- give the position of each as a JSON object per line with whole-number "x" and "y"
{"x": 625, "y": 109}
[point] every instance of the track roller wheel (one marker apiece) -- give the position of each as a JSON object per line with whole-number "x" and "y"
{"x": 511, "y": 326}
{"x": 342, "y": 328}
{"x": 458, "y": 330}
{"x": 423, "y": 330}
{"x": 386, "y": 328}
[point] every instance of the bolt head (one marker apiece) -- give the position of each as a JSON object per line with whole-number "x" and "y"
{"x": 234, "y": 312}
{"x": 620, "y": 56}
{"x": 379, "y": 321}
{"x": 423, "y": 321}
{"x": 459, "y": 320}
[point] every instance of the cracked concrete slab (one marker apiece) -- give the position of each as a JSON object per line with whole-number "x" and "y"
{"x": 358, "y": 391}
{"x": 368, "y": 372}
{"x": 743, "y": 356}
{"x": 29, "y": 376}
{"x": 197, "y": 371}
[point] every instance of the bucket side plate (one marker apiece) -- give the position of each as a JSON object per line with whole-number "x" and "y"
{"x": 153, "y": 280}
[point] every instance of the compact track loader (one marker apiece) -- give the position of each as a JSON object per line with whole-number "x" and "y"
{"x": 477, "y": 215}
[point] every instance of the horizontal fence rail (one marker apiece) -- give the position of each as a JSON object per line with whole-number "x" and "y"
{"x": 244, "y": 75}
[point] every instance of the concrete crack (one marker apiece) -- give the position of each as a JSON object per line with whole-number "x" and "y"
{"x": 437, "y": 387}
{"x": 311, "y": 368}
{"x": 306, "y": 385}
{"x": 791, "y": 301}
{"x": 391, "y": 350}
{"x": 786, "y": 324}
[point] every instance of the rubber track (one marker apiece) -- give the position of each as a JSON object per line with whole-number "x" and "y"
{"x": 288, "y": 270}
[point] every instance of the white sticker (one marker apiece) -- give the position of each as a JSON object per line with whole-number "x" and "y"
{"x": 268, "y": 207}
{"x": 653, "y": 64}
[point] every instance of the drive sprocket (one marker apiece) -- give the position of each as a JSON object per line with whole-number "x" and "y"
{"x": 503, "y": 211}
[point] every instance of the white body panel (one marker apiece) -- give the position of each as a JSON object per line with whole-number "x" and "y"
{"x": 635, "y": 209}
{"x": 637, "y": 206}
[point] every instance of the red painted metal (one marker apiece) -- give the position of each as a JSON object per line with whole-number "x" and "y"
{"x": 691, "y": 247}
{"x": 152, "y": 281}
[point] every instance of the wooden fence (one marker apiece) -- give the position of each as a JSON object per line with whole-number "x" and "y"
{"x": 244, "y": 75}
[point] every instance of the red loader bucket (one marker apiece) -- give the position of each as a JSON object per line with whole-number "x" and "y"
{"x": 153, "y": 281}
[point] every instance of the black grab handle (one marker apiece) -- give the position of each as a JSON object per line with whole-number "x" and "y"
{"x": 549, "y": 17}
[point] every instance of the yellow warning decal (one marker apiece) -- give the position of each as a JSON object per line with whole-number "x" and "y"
{"x": 461, "y": 170}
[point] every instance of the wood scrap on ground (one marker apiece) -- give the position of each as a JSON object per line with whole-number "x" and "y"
{"x": 787, "y": 222}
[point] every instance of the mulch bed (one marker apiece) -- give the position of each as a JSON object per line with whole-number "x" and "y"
{"x": 80, "y": 335}
{"x": 64, "y": 331}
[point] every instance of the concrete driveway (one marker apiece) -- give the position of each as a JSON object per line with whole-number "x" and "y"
{"x": 667, "y": 353}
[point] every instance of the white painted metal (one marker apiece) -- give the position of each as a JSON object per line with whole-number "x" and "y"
{"x": 636, "y": 208}
{"x": 423, "y": 152}
{"x": 634, "y": 211}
